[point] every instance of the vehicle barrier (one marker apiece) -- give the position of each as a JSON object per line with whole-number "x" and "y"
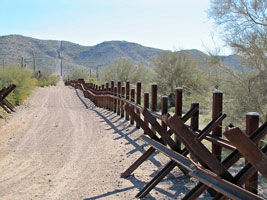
{"x": 166, "y": 133}
{"x": 4, "y": 103}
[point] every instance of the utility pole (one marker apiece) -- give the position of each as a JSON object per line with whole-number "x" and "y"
{"x": 97, "y": 75}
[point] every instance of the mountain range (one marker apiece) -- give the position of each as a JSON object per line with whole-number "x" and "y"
{"x": 49, "y": 53}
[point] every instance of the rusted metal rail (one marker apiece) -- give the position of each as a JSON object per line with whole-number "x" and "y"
{"x": 4, "y": 103}
{"x": 209, "y": 168}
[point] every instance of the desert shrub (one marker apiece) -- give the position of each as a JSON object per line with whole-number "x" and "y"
{"x": 22, "y": 78}
{"x": 77, "y": 74}
{"x": 80, "y": 74}
{"x": 46, "y": 78}
{"x": 25, "y": 81}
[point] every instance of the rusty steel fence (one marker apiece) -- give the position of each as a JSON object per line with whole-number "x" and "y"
{"x": 166, "y": 133}
{"x": 4, "y": 103}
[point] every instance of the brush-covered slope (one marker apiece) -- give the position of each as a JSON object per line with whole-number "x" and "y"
{"x": 49, "y": 52}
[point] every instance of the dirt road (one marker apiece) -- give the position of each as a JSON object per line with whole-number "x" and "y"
{"x": 59, "y": 146}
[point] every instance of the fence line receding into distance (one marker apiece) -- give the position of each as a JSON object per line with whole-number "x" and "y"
{"x": 166, "y": 133}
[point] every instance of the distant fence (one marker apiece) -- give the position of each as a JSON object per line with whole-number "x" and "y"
{"x": 4, "y": 103}
{"x": 206, "y": 166}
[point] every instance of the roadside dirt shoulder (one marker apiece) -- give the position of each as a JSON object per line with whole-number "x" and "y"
{"x": 60, "y": 146}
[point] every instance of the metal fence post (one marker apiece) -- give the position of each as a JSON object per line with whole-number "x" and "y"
{"x": 107, "y": 98}
{"x": 178, "y": 108}
{"x": 115, "y": 100}
{"x": 122, "y": 104}
{"x": 119, "y": 95}
{"x": 164, "y": 110}
{"x": 138, "y": 98}
{"x": 127, "y": 96}
{"x": 252, "y": 124}
{"x": 133, "y": 100}
{"x": 217, "y": 107}
{"x": 112, "y": 93}
{"x": 154, "y": 93}
{"x": 146, "y": 103}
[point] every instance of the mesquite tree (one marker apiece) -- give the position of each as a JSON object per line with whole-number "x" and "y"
{"x": 243, "y": 26}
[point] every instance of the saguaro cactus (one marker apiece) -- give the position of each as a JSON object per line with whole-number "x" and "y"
{"x": 33, "y": 62}
{"x": 22, "y": 63}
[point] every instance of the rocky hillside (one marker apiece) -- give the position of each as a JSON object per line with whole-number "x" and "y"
{"x": 49, "y": 52}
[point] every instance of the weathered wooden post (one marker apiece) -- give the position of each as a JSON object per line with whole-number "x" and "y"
{"x": 112, "y": 93}
{"x": 133, "y": 100}
{"x": 138, "y": 98}
{"x": 178, "y": 108}
{"x": 127, "y": 96}
{"x": 119, "y": 95}
{"x": 217, "y": 107}
{"x": 115, "y": 100}
{"x": 164, "y": 110}
{"x": 122, "y": 104}
{"x": 252, "y": 124}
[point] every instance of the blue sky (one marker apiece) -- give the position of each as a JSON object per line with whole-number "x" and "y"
{"x": 165, "y": 24}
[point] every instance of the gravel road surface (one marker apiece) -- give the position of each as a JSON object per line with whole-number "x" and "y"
{"x": 58, "y": 145}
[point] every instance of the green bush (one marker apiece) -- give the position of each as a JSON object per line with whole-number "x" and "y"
{"x": 77, "y": 74}
{"x": 46, "y": 78}
{"x": 22, "y": 78}
{"x": 25, "y": 81}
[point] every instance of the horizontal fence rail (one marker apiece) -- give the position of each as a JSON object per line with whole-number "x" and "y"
{"x": 166, "y": 133}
